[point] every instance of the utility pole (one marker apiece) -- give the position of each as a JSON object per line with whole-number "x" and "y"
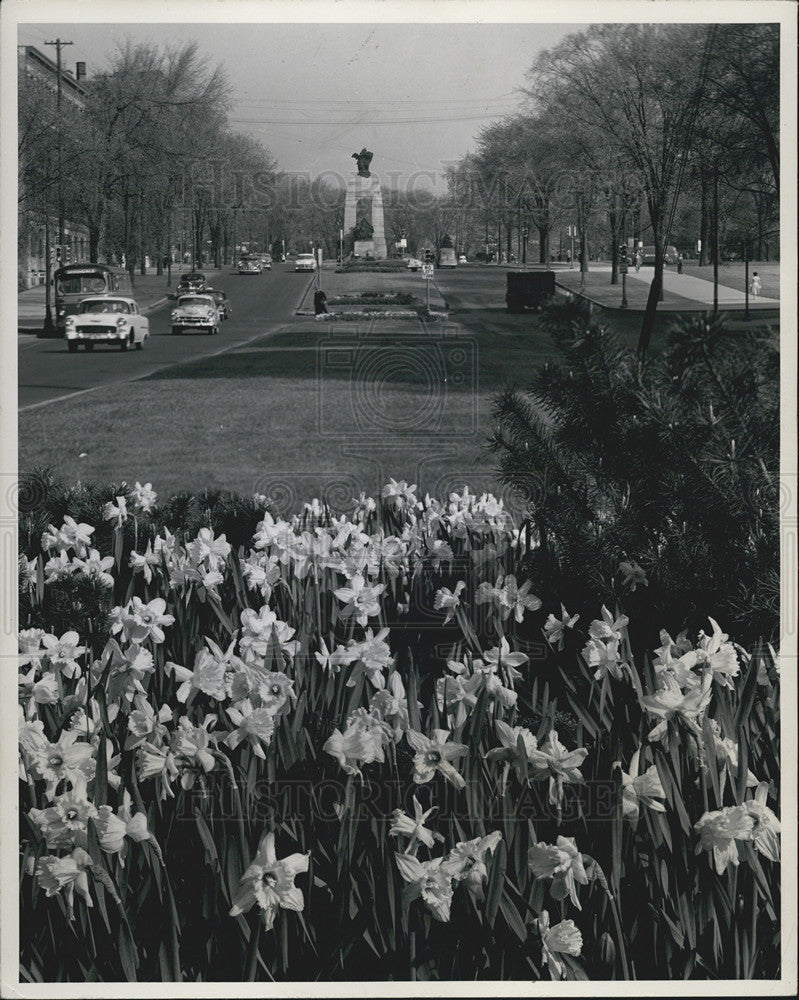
{"x": 715, "y": 239}
{"x": 58, "y": 46}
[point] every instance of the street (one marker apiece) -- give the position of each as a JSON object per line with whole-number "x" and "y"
{"x": 260, "y": 303}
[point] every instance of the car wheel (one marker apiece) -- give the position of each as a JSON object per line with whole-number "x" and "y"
{"x": 89, "y": 347}
{"x": 124, "y": 345}
{"x": 214, "y": 331}
{"x": 140, "y": 345}
{"x": 175, "y": 331}
{"x": 72, "y": 346}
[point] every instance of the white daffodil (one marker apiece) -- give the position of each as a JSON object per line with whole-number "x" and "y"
{"x": 269, "y": 883}
{"x": 640, "y": 789}
{"x": 434, "y": 755}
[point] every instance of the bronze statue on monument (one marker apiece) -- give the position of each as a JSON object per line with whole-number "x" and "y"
{"x": 364, "y": 158}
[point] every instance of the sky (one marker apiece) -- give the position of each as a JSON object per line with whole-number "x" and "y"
{"x": 416, "y": 95}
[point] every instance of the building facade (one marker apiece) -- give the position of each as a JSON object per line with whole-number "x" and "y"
{"x": 40, "y": 209}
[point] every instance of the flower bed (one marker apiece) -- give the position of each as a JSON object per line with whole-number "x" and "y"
{"x": 373, "y": 298}
{"x": 343, "y": 745}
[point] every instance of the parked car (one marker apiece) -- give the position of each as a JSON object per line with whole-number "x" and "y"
{"x": 670, "y": 257}
{"x": 195, "y": 312}
{"x": 528, "y": 289}
{"x": 249, "y": 267}
{"x": 103, "y": 319}
{"x": 265, "y": 260}
{"x": 414, "y": 264}
{"x": 222, "y": 302}
{"x": 305, "y": 262}
{"x": 194, "y": 281}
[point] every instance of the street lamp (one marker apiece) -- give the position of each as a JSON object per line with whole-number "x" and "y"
{"x": 524, "y": 246}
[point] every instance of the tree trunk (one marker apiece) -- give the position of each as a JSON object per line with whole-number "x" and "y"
{"x": 613, "y": 219}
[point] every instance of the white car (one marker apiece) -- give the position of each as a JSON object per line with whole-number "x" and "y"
{"x": 195, "y": 312}
{"x": 249, "y": 266}
{"x": 462, "y": 259}
{"x": 305, "y": 262}
{"x": 414, "y": 264}
{"x": 105, "y": 319}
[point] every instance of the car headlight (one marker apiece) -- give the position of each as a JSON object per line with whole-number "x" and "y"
{"x": 121, "y": 322}
{"x": 62, "y": 311}
{"x": 70, "y": 321}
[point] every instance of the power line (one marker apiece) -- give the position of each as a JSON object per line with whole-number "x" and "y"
{"x": 392, "y": 121}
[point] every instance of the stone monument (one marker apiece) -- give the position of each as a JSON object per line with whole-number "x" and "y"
{"x": 364, "y": 204}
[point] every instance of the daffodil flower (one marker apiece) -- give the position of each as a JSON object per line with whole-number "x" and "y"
{"x": 466, "y": 863}
{"x": 718, "y": 832}
{"x": 552, "y": 760}
{"x": 269, "y": 883}
{"x": 555, "y": 629}
{"x": 428, "y": 880}
{"x": 254, "y": 726}
{"x": 449, "y": 600}
{"x": 147, "y": 620}
{"x": 66, "y": 760}
{"x": 67, "y": 873}
{"x": 360, "y": 599}
{"x": 414, "y": 829}
{"x": 561, "y": 862}
{"x": 515, "y": 600}
{"x": 435, "y": 755}
{"x": 766, "y": 826}
{"x": 608, "y": 628}
{"x": 669, "y": 702}
{"x": 116, "y": 512}
{"x": 144, "y": 497}
{"x": 562, "y": 939}
{"x": 640, "y": 789}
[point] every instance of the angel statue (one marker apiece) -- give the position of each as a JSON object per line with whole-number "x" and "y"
{"x": 364, "y": 158}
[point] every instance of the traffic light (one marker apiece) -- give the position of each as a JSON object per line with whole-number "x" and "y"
{"x": 622, "y": 251}
{"x": 429, "y": 256}
{"x": 58, "y": 254}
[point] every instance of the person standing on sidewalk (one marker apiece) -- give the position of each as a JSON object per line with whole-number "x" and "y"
{"x": 319, "y": 303}
{"x": 754, "y": 285}
{"x": 638, "y": 260}
{"x": 679, "y": 263}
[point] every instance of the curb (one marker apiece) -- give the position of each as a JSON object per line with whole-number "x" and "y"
{"x": 304, "y": 296}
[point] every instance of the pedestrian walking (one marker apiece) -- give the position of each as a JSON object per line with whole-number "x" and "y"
{"x": 679, "y": 263}
{"x": 754, "y": 285}
{"x": 638, "y": 261}
{"x": 319, "y": 303}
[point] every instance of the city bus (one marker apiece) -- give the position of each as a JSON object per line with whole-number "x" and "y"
{"x": 74, "y": 282}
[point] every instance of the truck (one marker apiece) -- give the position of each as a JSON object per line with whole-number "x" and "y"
{"x": 447, "y": 257}
{"x": 528, "y": 289}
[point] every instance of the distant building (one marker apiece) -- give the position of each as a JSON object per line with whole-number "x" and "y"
{"x": 37, "y": 76}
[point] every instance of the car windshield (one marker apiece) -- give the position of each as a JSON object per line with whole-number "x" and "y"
{"x": 305, "y": 256}
{"x": 105, "y": 306}
{"x": 195, "y": 300}
{"x": 76, "y": 284}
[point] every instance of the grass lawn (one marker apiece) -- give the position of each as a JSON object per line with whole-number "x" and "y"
{"x": 733, "y": 275}
{"x": 337, "y": 408}
{"x": 300, "y": 413}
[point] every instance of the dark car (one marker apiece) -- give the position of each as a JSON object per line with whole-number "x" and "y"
{"x": 670, "y": 256}
{"x": 192, "y": 282}
{"x": 528, "y": 289}
{"x": 222, "y": 302}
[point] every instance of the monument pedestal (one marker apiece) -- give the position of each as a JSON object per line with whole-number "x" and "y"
{"x": 366, "y": 189}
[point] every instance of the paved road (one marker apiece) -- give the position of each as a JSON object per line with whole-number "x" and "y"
{"x": 260, "y": 303}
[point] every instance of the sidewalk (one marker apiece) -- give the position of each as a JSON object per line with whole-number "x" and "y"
{"x": 681, "y": 292}
{"x": 149, "y": 291}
